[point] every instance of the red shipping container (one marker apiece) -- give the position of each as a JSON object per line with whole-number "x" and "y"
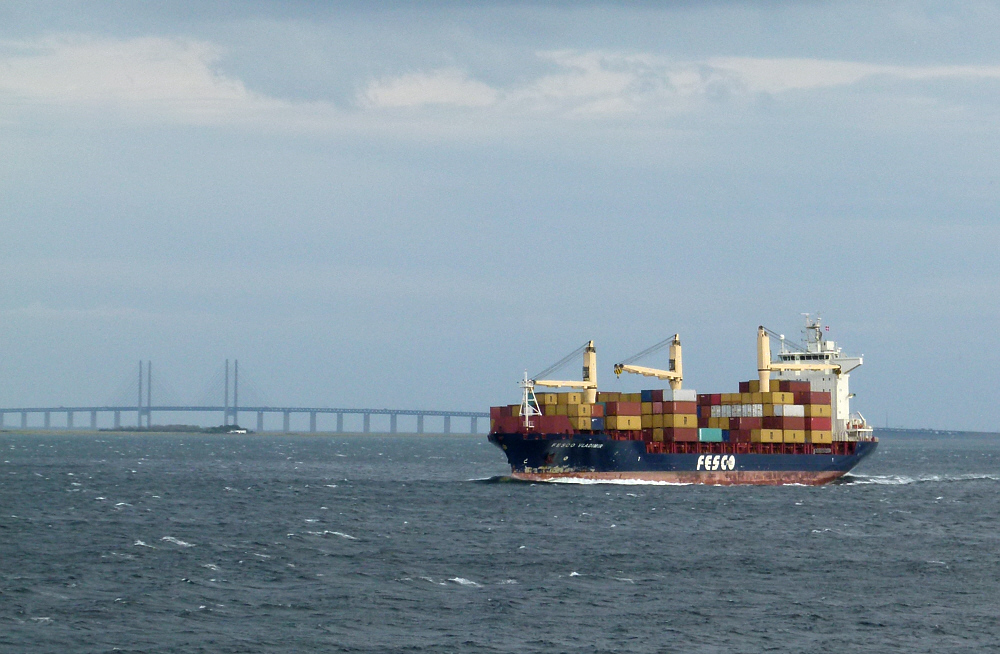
{"x": 745, "y": 423}
{"x": 681, "y": 434}
{"x": 657, "y": 395}
{"x": 495, "y": 412}
{"x": 716, "y": 399}
{"x": 770, "y": 422}
{"x": 657, "y": 407}
{"x": 810, "y": 397}
{"x": 597, "y": 411}
{"x": 680, "y": 407}
{"x": 795, "y": 386}
{"x": 744, "y": 387}
{"x": 623, "y": 409}
{"x": 704, "y": 399}
{"x": 819, "y": 424}
{"x": 551, "y": 424}
{"x": 792, "y": 422}
{"x": 739, "y": 435}
{"x": 703, "y": 421}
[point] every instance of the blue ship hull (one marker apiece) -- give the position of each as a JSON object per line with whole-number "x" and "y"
{"x": 549, "y": 457}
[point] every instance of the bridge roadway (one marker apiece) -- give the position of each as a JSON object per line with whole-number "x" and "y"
{"x": 233, "y": 413}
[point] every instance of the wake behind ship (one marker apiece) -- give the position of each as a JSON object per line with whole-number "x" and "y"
{"x": 796, "y": 428}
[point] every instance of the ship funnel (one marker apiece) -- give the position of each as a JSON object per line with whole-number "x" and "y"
{"x": 764, "y": 359}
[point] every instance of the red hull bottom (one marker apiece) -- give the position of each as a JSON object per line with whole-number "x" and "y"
{"x": 717, "y": 478}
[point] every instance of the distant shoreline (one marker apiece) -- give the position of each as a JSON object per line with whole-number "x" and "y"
{"x": 199, "y": 431}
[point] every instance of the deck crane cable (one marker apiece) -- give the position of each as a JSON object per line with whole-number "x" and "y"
{"x": 781, "y": 337}
{"x": 649, "y": 350}
{"x": 562, "y": 362}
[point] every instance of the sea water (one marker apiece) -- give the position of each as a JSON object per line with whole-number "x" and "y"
{"x": 365, "y": 543}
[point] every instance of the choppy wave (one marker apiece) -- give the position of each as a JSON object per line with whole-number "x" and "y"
{"x": 177, "y": 541}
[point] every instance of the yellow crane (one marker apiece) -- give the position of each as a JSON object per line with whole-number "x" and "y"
{"x": 589, "y": 383}
{"x": 765, "y": 365}
{"x": 675, "y": 375}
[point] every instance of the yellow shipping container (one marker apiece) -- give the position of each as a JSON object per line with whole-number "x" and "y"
{"x": 819, "y": 437}
{"x": 547, "y": 398}
{"x": 817, "y": 410}
{"x": 608, "y": 396}
{"x": 631, "y": 397}
{"x": 746, "y": 398}
{"x": 646, "y": 421}
{"x": 793, "y": 436}
{"x": 727, "y": 398}
{"x": 561, "y": 398}
{"x": 646, "y": 409}
{"x": 515, "y": 409}
{"x": 580, "y": 410}
{"x": 676, "y": 420}
{"x": 755, "y": 386}
{"x": 580, "y": 422}
{"x": 550, "y": 409}
{"x": 782, "y": 398}
{"x": 765, "y": 436}
{"x": 756, "y": 398}
{"x": 713, "y": 423}
{"x": 657, "y": 435}
{"x": 493, "y": 424}
{"x": 768, "y": 410}
{"x": 562, "y": 409}
{"x": 623, "y": 423}
{"x": 723, "y": 423}
{"x": 574, "y": 398}
{"x": 775, "y": 385}
{"x": 657, "y": 420}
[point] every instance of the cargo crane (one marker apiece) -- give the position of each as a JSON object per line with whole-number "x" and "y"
{"x": 765, "y": 365}
{"x": 675, "y": 375}
{"x": 589, "y": 383}
{"x": 821, "y": 363}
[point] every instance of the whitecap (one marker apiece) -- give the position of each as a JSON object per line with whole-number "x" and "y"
{"x": 139, "y": 543}
{"x": 464, "y": 582}
{"x": 177, "y": 541}
{"x": 508, "y": 582}
{"x": 210, "y": 566}
{"x": 341, "y": 534}
{"x": 574, "y": 574}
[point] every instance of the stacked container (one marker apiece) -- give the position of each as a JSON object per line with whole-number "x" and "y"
{"x": 789, "y": 412}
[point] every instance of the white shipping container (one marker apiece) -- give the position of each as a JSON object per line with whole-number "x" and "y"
{"x": 716, "y": 411}
{"x": 726, "y": 411}
{"x": 758, "y": 410}
{"x": 682, "y": 395}
{"x": 790, "y": 410}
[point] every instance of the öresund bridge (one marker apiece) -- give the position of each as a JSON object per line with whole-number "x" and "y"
{"x": 140, "y": 415}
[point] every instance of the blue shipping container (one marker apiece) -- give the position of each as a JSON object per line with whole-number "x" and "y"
{"x": 597, "y": 424}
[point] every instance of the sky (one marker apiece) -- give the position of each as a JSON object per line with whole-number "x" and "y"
{"x": 409, "y": 205}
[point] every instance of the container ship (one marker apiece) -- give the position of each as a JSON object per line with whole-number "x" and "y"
{"x": 790, "y": 425}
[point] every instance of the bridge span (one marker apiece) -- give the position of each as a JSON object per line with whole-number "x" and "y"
{"x": 230, "y": 415}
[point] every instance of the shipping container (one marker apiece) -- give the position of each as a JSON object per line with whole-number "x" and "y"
{"x": 681, "y": 434}
{"x": 680, "y": 395}
{"x": 680, "y": 420}
{"x": 547, "y": 398}
{"x": 583, "y": 410}
{"x": 709, "y": 435}
{"x": 819, "y": 437}
{"x": 812, "y": 397}
{"x": 646, "y": 420}
{"x": 818, "y": 423}
{"x": 679, "y": 407}
{"x": 818, "y": 411}
{"x": 657, "y": 435}
{"x": 658, "y": 420}
{"x": 793, "y": 436}
{"x": 623, "y": 409}
{"x": 597, "y": 410}
{"x": 765, "y": 436}
{"x": 597, "y": 424}
{"x": 623, "y": 423}
{"x": 647, "y": 408}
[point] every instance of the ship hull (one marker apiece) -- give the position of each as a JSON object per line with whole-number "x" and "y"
{"x": 556, "y": 457}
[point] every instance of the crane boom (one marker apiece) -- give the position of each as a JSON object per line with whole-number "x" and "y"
{"x": 676, "y": 373}
{"x": 589, "y": 383}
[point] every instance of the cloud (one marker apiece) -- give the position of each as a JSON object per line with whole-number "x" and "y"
{"x": 441, "y": 87}
{"x": 177, "y": 80}
{"x": 158, "y": 79}
{"x": 782, "y": 75}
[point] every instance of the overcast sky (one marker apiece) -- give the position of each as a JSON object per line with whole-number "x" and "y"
{"x": 407, "y": 208}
